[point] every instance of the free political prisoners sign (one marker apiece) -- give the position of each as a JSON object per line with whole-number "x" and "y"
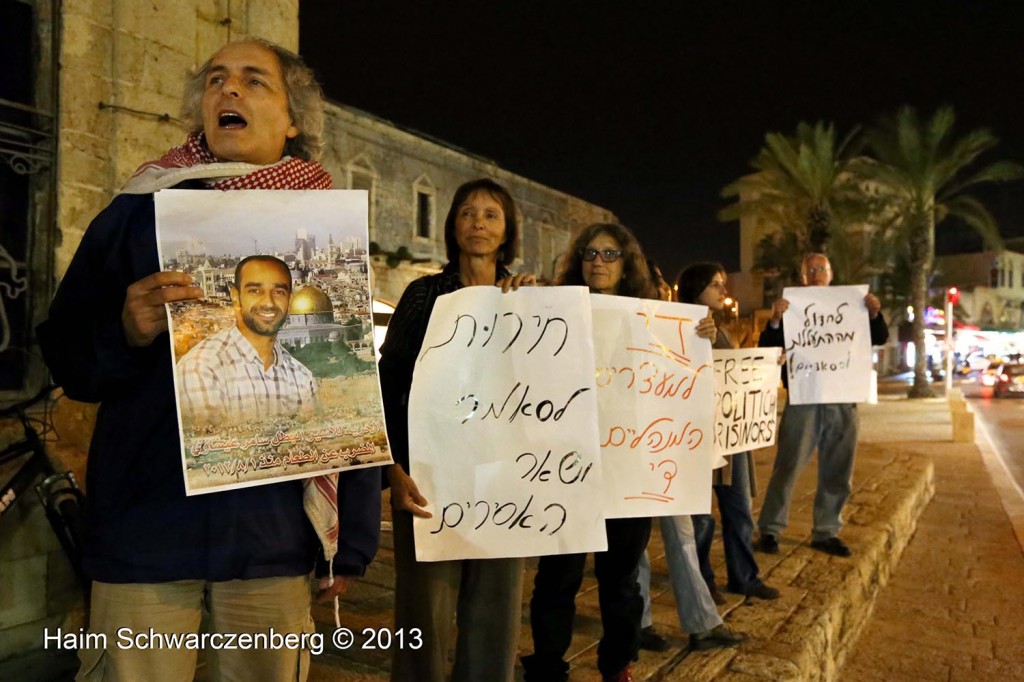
{"x": 828, "y": 344}
{"x": 503, "y": 439}
{"x": 655, "y": 388}
{"x": 241, "y": 423}
{"x": 746, "y": 395}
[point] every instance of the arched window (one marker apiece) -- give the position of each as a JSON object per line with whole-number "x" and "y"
{"x": 523, "y": 237}
{"x": 28, "y": 205}
{"x": 987, "y": 317}
{"x": 361, "y": 175}
{"x": 424, "y": 194}
{"x": 1007, "y": 315}
{"x": 547, "y": 252}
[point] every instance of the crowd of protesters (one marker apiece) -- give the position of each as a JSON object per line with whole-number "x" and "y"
{"x": 241, "y": 559}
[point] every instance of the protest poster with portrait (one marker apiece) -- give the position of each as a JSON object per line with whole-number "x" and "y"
{"x": 503, "y": 426}
{"x": 655, "y": 387}
{"x": 828, "y": 344}
{"x": 746, "y": 398}
{"x": 274, "y": 373}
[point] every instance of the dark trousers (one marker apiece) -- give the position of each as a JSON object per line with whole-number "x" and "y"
{"x": 483, "y": 596}
{"x": 553, "y": 605}
{"x": 737, "y": 531}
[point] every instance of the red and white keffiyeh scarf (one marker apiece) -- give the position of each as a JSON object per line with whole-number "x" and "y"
{"x": 193, "y": 160}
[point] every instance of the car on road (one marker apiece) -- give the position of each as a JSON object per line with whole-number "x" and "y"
{"x": 1009, "y": 380}
{"x": 990, "y": 375}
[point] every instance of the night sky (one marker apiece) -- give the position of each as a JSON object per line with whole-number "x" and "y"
{"x": 649, "y": 109}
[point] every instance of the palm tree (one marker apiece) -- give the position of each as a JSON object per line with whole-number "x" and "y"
{"x": 803, "y": 187}
{"x": 926, "y": 170}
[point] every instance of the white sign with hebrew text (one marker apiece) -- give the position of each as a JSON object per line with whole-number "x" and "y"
{"x": 503, "y": 439}
{"x": 828, "y": 344}
{"x": 655, "y": 387}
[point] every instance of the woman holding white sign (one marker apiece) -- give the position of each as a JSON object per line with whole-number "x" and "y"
{"x": 481, "y": 235}
{"x": 703, "y": 284}
{"x": 606, "y": 258}
{"x": 734, "y": 484}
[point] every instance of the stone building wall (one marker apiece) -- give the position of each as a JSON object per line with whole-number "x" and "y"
{"x": 115, "y": 56}
{"x": 122, "y": 67}
{"x": 123, "y": 64}
{"x": 366, "y": 152}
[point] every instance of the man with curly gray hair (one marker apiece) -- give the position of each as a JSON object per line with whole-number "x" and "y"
{"x": 160, "y": 560}
{"x": 305, "y": 101}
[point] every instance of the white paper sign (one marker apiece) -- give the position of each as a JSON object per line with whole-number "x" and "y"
{"x": 655, "y": 387}
{"x": 746, "y": 396}
{"x": 503, "y": 438}
{"x": 828, "y": 344}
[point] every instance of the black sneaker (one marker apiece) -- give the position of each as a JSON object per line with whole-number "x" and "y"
{"x": 767, "y": 543}
{"x": 650, "y": 640}
{"x": 833, "y": 546}
{"x": 717, "y": 637}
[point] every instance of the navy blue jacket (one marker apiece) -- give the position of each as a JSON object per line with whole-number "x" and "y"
{"x": 140, "y": 525}
{"x": 406, "y": 331}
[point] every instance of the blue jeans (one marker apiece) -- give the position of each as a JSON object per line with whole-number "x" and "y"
{"x": 737, "y": 531}
{"x": 696, "y": 609}
{"x": 832, "y": 429}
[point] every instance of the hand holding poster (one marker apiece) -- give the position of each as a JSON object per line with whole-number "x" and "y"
{"x": 746, "y": 397}
{"x": 274, "y": 376}
{"x": 828, "y": 344}
{"x": 503, "y": 426}
{"x": 655, "y": 389}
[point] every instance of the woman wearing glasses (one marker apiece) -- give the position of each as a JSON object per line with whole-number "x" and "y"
{"x": 607, "y": 259}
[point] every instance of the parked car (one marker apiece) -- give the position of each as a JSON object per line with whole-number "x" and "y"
{"x": 1010, "y": 380}
{"x": 990, "y": 375}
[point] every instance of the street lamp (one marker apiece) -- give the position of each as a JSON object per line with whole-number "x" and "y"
{"x": 730, "y": 305}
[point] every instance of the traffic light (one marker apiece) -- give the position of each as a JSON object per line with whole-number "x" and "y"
{"x": 953, "y": 295}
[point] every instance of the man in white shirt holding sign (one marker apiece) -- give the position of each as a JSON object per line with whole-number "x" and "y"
{"x": 831, "y": 428}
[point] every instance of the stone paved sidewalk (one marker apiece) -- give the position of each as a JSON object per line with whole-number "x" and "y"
{"x": 953, "y": 610}
{"x": 826, "y": 601}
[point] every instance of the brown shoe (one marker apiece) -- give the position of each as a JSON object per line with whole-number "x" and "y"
{"x": 716, "y": 596}
{"x": 719, "y": 636}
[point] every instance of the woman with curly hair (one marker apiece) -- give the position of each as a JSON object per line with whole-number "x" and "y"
{"x": 606, "y": 258}
{"x": 621, "y": 268}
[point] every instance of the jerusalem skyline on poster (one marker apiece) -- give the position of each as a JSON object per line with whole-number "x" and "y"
{"x": 274, "y": 380}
